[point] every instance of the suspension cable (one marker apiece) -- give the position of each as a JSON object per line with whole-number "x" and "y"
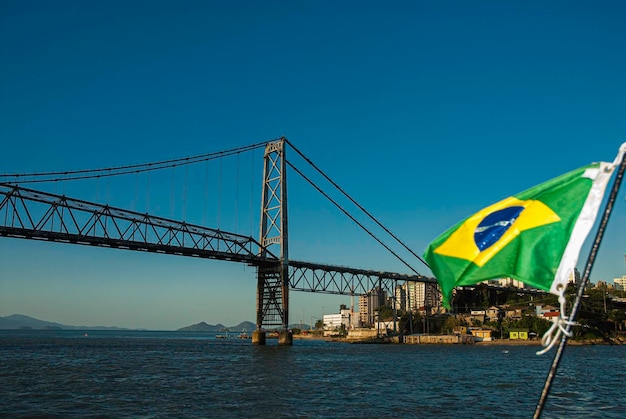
{"x": 352, "y": 218}
{"x": 357, "y": 204}
{"x": 121, "y": 170}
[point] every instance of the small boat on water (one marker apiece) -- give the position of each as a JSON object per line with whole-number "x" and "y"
{"x": 243, "y": 335}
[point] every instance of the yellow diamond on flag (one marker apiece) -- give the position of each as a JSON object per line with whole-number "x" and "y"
{"x": 465, "y": 242}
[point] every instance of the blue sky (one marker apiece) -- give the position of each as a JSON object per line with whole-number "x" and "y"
{"x": 425, "y": 112}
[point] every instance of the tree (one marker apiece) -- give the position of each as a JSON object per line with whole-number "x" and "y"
{"x": 450, "y": 323}
{"x": 385, "y": 313}
{"x": 409, "y": 322}
{"x": 617, "y": 317}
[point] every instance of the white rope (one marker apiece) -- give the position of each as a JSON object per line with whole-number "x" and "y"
{"x": 560, "y": 325}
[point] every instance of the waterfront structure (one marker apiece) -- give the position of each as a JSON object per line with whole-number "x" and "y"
{"x": 479, "y": 315}
{"x": 363, "y": 309}
{"x": 369, "y": 304}
{"x": 346, "y": 318}
{"x": 574, "y": 278}
{"x": 514, "y": 313}
{"x": 518, "y": 334}
{"x": 400, "y": 293}
{"x": 439, "y": 339}
{"x": 482, "y": 335}
{"x": 332, "y": 321}
{"x": 545, "y": 310}
{"x": 493, "y": 313}
{"x": 417, "y": 296}
{"x": 382, "y": 328}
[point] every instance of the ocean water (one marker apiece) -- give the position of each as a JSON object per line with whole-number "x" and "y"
{"x": 175, "y": 374}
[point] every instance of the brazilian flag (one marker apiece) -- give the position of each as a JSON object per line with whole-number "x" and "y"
{"x": 534, "y": 236}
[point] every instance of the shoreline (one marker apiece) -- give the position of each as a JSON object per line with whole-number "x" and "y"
{"x": 497, "y": 342}
{"x": 507, "y": 342}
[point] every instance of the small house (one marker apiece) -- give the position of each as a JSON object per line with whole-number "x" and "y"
{"x": 482, "y": 335}
{"x": 518, "y": 334}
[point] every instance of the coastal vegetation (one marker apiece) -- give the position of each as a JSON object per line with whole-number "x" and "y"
{"x": 601, "y": 315}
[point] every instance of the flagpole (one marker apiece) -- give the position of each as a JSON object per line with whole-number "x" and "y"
{"x": 590, "y": 261}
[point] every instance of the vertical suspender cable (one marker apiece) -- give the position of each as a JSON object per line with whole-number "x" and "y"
{"x": 172, "y": 194}
{"x": 56, "y": 191}
{"x": 148, "y": 193}
{"x": 251, "y": 186}
{"x": 237, "y": 196}
{"x": 219, "y": 196}
{"x": 206, "y": 193}
{"x": 185, "y": 193}
{"x": 135, "y": 199}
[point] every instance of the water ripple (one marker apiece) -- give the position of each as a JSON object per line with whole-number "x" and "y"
{"x": 58, "y": 374}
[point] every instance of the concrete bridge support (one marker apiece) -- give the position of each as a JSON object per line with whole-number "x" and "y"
{"x": 258, "y": 337}
{"x": 285, "y": 338}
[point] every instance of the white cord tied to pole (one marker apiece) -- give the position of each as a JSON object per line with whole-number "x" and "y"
{"x": 560, "y": 325}
{"x": 585, "y": 278}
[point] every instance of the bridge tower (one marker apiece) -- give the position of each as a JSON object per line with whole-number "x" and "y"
{"x": 272, "y": 303}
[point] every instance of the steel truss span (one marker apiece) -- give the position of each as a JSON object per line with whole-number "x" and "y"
{"x": 30, "y": 214}
{"x": 312, "y": 277}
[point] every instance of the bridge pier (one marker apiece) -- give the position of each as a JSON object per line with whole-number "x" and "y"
{"x": 258, "y": 337}
{"x": 285, "y": 338}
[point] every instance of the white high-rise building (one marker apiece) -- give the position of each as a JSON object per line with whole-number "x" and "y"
{"x": 620, "y": 283}
{"x": 417, "y": 296}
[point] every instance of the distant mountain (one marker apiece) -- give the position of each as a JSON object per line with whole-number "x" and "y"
{"x": 7, "y": 323}
{"x": 19, "y": 321}
{"x": 204, "y": 327}
{"x": 241, "y": 327}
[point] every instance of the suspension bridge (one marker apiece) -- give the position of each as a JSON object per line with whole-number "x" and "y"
{"x": 29, "y": 213}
